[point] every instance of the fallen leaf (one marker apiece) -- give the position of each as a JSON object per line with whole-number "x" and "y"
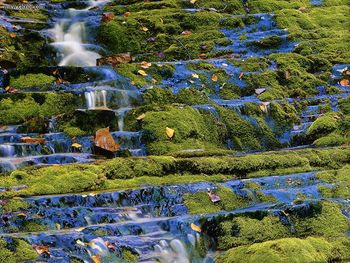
{"x": 287, "y": 75}
{"x": 193, "y": 1}
{"x": 13, "y": 35}
{"x": 241, "y": 76}
{"x": 96, "y": 259}
{"x": 132, "y": 83}
{"x": 126, "y": 14}
{"x": 344, "y": 82}
{"x": 144, "y": 29}
{"x": 58, "y": 226}
{"x": 76, "y": 145}
{"x": 42, "y": 249}
{"x": 141, "y": 117}
{"x": 169, "y": 132}
{"x": 194, "y": 75}
{"x": 196, "y": 228}
{"x": 260, "y": 91}
{"x": 186, "y": 33}
{"x": 145, "y": 65}
{"x": 214, "y": 78}
{"x": 154, "y": 81}
{"x": 142, "y": 73}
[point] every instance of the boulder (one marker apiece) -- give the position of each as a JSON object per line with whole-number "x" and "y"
{"x": 114, "y": 60}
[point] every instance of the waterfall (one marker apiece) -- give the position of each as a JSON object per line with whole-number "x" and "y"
{"x": 121, "y": 114}
{"x": 96, "y": 99}
{"x": 70, "y": 39}
{"x": 7, "y": 150}
{"x": 175, "y": 251}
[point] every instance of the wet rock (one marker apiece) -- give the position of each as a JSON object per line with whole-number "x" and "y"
{"x": 114, "y": 60}
{"x": 31, "y": 140}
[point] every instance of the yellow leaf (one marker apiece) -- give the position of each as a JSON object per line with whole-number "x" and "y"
{"x": 169, "y": 132}
{"x": 58, "y": 226}
{"x": 145, "y": 29}
{"x": 194, "y": 75}
{"x": 214, "y": 78}
{"x": 142, "y": 73}
{"x": 76, "y": 145}
{"x": 161, "y": 20}
{"x": 141, "y": 117}
{"x": 196, "y": 228}
{"x": 193, "y": 1}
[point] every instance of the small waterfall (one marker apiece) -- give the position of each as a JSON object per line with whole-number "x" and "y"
{"x": 175, "y": 251}
{"x": 53, "y": 124}
{"x": 121, "y": 114}
{"x": 7, "y": 150}
{"x": 96, "y": 99}
{"x": 70, "y": 40}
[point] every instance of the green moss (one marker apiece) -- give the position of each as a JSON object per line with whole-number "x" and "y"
{"x": 283, "y": 250}
{"x": 326, "y": 219}
{"x": 31, "y": 80}
{"x": 199, "y": 203}
{"x": 31, "y": 106}
{"x": 17, "y": 251}
{"x": 332, "y": 139}
{"x": 268, "y": 42}
{"x": 74, "y": 132}
{"x": 129, "y": 256}
{"x": 245, "y": 231}
{"x": 15, "y": 205}
{"x": 191, "y": 128}
{"x": 323, "y": 125}
{"x": 32, "y": 226}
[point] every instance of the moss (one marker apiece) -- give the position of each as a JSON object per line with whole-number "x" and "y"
{"x": 326, "y": 220}
{"x": 74, "y": 132}
{"x": 129, "y": 256}
{"x": 15, "y": 205}
{"x": 200, "y": 203}
{"x": 32, "y": 226}
{"x": 189, "y": 125}
{"x": 16, "y": 250}
{"x": 323, "y": 125}
{"x": 332, "y": 139}
{"x": 268, "y": 42}
{"x": 17, "y": 110}
{"x": 245, "y": 231}
{"x": 31, "y": 80}
{"x": 283, "y": 250}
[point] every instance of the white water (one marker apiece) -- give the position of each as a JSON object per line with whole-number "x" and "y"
{"x": 96, "y": 99}
{"x": 174, "y": 252}
{"x": 69, "y": 38}
{"x": 7, "y": 150}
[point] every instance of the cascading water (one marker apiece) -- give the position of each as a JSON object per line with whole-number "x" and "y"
{"x": 70, "y": 39}
{"x": 96, "y": 99}
{"x": 7, "y": 150}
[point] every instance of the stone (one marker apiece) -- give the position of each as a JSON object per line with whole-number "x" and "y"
{"x": 31, "y": 140}
{"x": 114, "y": 60}
{"x": 260, "y": 91}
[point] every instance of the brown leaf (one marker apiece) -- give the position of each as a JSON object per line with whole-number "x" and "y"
{"x": 344, "y": 82}
{"x": 141, "y": 117}
{"x": 41, "y": 249}
{"x": 214, "y": 78}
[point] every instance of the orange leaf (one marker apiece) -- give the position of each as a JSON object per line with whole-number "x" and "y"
{"x": 13, "y": 35}
{"x": 145, "y": 65}
{"x": 344, "y": 82}
{"x": 186, "y": 33}
{"x": 214, "y": 78}
{"x": 96, "y": 259}
{"x": 126, "y": 14}
{"x": 42, "y": 249}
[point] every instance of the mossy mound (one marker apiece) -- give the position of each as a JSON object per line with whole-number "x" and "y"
{"x": 288, "y": 250}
